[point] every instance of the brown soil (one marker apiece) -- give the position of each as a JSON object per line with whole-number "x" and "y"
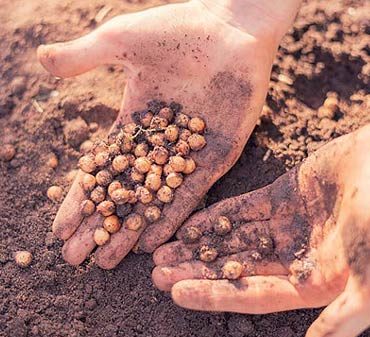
{"x": 325, "y": 53}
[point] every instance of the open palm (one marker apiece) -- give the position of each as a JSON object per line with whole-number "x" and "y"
{"x": 302, "y": 242}
{"x": 182, "y": 53}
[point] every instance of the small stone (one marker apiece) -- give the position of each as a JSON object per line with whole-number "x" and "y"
{"x": 102, "y": 158}
{"x": 98, "y": 194}
{"x": 141, "y": 150}
{"x": 232, "y": 270}
{"x": 196, "y": 125}
{"x": 7, "y": 152}
{"x": 166, "y": 113}
{"x": 157, "y": 139}
{"x": 113, "y": 186}
{"x": 88, "y": 182}
{"x": 184, "y": 134}
{"x": 182, "y": 120}
{"x": 144, "y": 195}
{"x": 101, "y": 236}
{"x": 120, "y": 196}
{"x": 159, "y": 155}
{"x": 106, "y": 208}
{"x": 104, "y": 178}
{"x": 172, "y": 133}
{"x": 52, "y": 161}
{"x": 182, "y": 147}
{"x": 165, "y": 194}
{"x": 86, "y": 146}
{"x": 158, "y": 123}
{"x": 177, "y": 163}
{"x": 87, "y": 163}
{"x": 134, "y": 222}
{"x": 207, "y": 254}
{"x": 152, "y": 213}
{"x": 114, "y": 150}
{"x": 120, "y": 163}
{"x": 196, "y": 142}
{"x": 142, "y": 165}
{"x": 190, "y": 166}
{"x": 112, "y": 224}
{"x": 87, "y": 208}
{"x": 192, "y": 234}
{"x": 222, "y": 225}
{"x": 174, "y": 179}
{"x": 23, "y": 258}
{"x": 153, "y": 182}
{"x": 55, "y": 193}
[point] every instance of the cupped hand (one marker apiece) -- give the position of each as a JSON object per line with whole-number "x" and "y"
{"x": 184, "y": 53}
{"x": 301, "y": 242}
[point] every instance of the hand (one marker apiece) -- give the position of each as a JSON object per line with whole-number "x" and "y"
{"x": 215, "y": 67}
{"x": 301, "y": 242}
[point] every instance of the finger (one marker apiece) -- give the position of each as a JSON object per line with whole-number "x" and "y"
{"x": 69, "y": 215}
{"x": 253, "y": 236}
{"x": 104, "y": 45}
{"x": 69, "y": 218}
{"x": 249, "y": 295}
{"x": 247, "y": 207}
{"x": 74, "y": 57}
{"x": 164, "y": 277}
{"x": 347, "y": 316}
{"x": 77, "y": 248}
{"x": 119, "y": 245}
{"x": 174, "y": 252}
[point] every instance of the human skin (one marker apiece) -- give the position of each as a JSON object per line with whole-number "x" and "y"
{"x": 304, "y": 242}
{"x": 202, "y": 54}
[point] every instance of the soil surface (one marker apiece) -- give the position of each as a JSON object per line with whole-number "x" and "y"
{"x": 324, "y": 54}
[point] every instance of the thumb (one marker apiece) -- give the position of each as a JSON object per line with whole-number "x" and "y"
{"x": 101, "y": 46}
{"x": 347, "y": 316}
{"x": 74, "y": 57}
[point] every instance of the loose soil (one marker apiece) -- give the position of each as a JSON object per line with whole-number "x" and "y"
{"x": 326, "y": 53}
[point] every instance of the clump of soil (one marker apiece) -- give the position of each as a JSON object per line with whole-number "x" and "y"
{"x": 325, "y": 54}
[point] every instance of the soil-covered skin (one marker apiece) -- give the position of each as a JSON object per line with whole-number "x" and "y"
{"x": 325, "y": 53}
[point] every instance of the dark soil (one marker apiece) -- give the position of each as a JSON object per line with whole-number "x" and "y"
{"x": 325, "y": 53}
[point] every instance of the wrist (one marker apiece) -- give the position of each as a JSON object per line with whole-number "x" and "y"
{"x": 261, "y": 18}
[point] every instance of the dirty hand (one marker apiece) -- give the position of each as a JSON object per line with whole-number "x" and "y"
{"x": 301, "y": 242}
{"x": 205, "y": 55}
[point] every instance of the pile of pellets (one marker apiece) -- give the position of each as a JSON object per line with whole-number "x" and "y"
{"x": 143, "y": 162}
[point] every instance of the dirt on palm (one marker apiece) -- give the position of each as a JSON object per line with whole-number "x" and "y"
{"x": 325, "y": 54}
